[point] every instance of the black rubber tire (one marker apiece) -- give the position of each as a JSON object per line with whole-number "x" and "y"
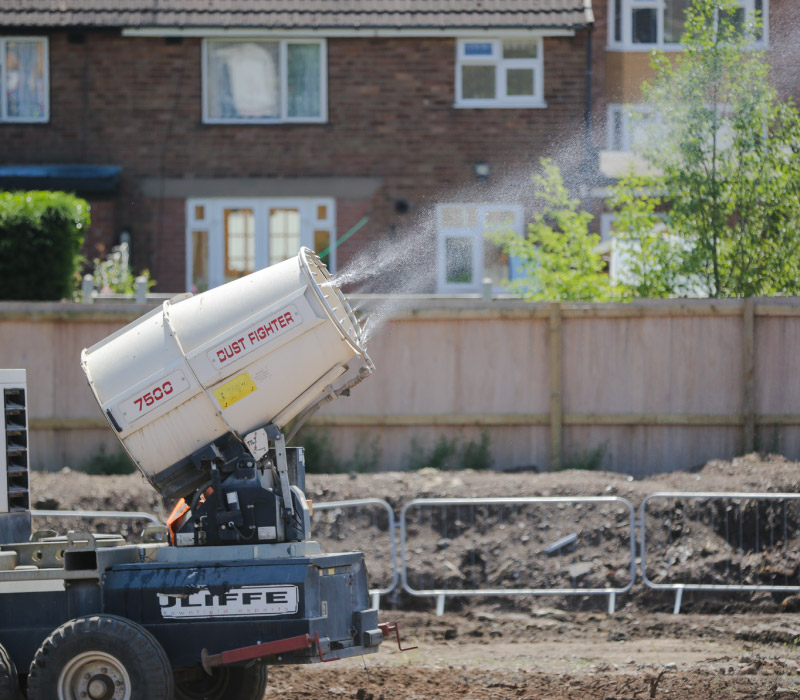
{"x": 225, "y": 683}
{"x": 9, "y": 682}
{"x": 129, "y": 645}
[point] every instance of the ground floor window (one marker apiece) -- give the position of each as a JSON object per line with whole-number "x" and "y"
{"x": 229, "y": 238}
{"x": 466, "y": 255}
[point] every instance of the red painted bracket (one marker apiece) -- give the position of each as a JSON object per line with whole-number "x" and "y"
{"x": 257, "y": 651}
{"x": 315, "y": 638}
{"x": 387, "y": 628}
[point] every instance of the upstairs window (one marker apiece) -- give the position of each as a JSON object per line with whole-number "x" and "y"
{"x": 253, "y": 81}
{"x": 647, "y": 23}
{"x": 499, "y": 73}
{"x": 24, "y": 79}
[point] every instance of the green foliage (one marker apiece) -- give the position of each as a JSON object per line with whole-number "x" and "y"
{"x": 588, "y": 460}
{"x": 108, "y": 464}
{"x": 113, "y": 275}
{"x": 318, "y": 452}
{"x": 452, "y": 454}
{"x": 41, "y": 234}
{"x": 559, "y": 257}
{"x": 727, "y": 170}
{"x": 320, "y": 458}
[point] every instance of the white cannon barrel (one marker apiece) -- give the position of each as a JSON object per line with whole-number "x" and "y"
{"x": 258, "y": 350}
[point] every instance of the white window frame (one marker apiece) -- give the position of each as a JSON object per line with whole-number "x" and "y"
{"x": 627, "y": 44}
{"x": 212, "y": 222}
{"x": 46, "y": 77}
{"x": 501, "y": 100}
{"x": 284, "y": 118}
{"x": 476, "y": 235}
{"x": 625, "y": 112}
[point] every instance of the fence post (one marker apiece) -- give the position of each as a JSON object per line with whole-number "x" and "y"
{"x": 141, "y": 290}
{"x": 749, "y": 377}
{"x": 87, "y": 289}
{"x": 556, "y": 380}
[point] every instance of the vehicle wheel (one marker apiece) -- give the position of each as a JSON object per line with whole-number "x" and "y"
{"x": 100, "y": 657}
{"x": 9, "y": 683}
{"x": 225, "y": 683}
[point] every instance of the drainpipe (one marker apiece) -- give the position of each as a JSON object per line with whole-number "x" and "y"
{"x": 587, "y": 114}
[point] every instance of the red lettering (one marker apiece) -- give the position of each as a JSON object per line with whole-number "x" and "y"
{"x": 148, "y": 399}
{"x": 221, "y": 355}
{"x": 168, "y": 388}
{"x": 251, "y": 336}
{"x": 138, "y": 402}
{"x": 288, "y": 317}
{"x": 261, "y": 332}
{"x": 158, "y": 393}
{"x": 282, "y": 321}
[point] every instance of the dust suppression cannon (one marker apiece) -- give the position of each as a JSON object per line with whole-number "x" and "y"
{"x": 203, "y": 394}
{"x": 198, "y": 393}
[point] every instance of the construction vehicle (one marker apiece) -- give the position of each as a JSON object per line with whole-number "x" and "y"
{"x": 199, "y": 393}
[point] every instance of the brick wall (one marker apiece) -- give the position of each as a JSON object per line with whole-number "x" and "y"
{"x": 102, "y": 233}
{"x": 136, "y": 102}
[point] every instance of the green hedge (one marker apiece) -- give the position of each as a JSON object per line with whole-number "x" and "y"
{"x": 41, "y": 234}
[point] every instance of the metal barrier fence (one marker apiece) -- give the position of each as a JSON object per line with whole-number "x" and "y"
{"x": 553, "y": 546}
{"x": 99, "y": 515}
{"x": 720, "y": 542}
{"x": 736, "y": 542}
{"x": 367, "y": 525}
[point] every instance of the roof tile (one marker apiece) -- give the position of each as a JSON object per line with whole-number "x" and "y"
{"x": 297, "y": 14}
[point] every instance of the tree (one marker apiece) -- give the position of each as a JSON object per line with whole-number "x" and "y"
{"x": 726, "y": 152}
{"x": 558, "y": 257}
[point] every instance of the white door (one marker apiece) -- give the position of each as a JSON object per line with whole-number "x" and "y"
{"x": 229, "y": 238}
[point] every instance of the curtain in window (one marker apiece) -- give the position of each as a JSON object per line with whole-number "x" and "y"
{"x": 304, "y": 80}
{"x": 25, "y": 88}
{"x": 675, "y": 19}
{"x": 243, "y": 80}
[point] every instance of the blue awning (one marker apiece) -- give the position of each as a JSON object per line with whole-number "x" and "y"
{"x": 81, "y": 179}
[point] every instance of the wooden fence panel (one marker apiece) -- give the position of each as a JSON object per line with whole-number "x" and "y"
{"x": 639, "y": 388}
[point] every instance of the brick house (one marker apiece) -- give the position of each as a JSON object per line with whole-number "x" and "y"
{"x": 219, "y": 138}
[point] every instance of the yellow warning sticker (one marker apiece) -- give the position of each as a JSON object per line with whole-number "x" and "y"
{"x": 236, "y": 389}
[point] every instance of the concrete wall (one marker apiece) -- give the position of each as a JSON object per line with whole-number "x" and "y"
{"x": 638, "y": 388}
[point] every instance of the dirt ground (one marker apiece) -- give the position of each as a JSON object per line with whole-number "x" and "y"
{"x": 542, "y": 648}
{"x": 553, "y": 655}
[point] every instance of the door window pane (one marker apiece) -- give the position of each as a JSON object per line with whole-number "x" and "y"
{"x": 459, "y": 217}
{"x": 240, "y": 243}
{"x": 644, "y": 26}
{"x": 478, "y": 82}
{"x": 199, "y": 261}
{"x": 675, "y": 19}
{"x": 519, "y": 81}
{"x": 495, "y": 263}
{"x": 284, "y": 234}
{"x": 322, "y": 244}
{"x": 25, "y": 79}
{"x": 304, "y": 80}
{"x": 243, "y": 80}
{"x": 458, "y": 260}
